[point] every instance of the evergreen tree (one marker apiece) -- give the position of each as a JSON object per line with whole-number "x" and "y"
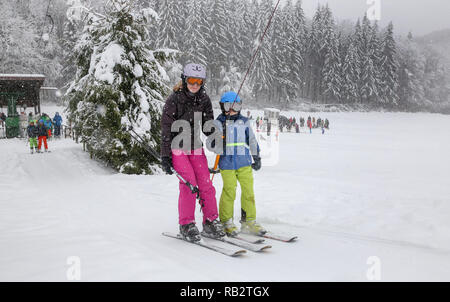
{"x": 119, "y": 84}
{"x": 220, "y": 43}
{"x": 389, "y": 69}
{"x": 411, "y": 67}
{"x": 331, "y": 71}
{"x": 263, "y": 70}
{"x": 296, "y": 31}
{"x": 170, "y": 25}
{"x": 369, "y": 75}
{"x": 280, "y": 47}
{"x": 316, "y": 54}
{"x": 196, "y": 46}
{"x": 350, "y": 73}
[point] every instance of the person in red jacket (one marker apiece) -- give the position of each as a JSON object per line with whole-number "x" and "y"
{"x": 309, "y": 124}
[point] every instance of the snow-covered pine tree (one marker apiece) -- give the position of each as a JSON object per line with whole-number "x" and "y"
{"x": 376, "y": 47}
{"x": 350, "y": 73}
{"x": 369, "y": 75}
{"x": 195, "y": 45}
{"x": 331, "y": 72}
{"x": 389, "y": 69}
{"x": 316, "y": 54}
{"x": 240, "y": 38}
{"x": 436, "y": 79}
{"x": 73, "y": 27}
{"x": 170, "y": 25}
{"x": 262, "y": 73}
{"x": 281, "y": 63}
{"x": 220, "y": 43}
{"x": 411, "y": 66}
{"x": 118, "y": 84}
{"x": 296, "y": 30}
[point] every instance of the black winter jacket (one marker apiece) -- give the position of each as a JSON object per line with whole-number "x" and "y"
{"x": 181, "y": 105}
{"x": 32, "y": 131}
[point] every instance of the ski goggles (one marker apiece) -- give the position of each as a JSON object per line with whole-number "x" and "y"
{"x": 235, "y": 106}
{"x": 193, "y": 81}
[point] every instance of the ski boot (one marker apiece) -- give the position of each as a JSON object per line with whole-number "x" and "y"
{"x": 213, "y": 229}
{"x": 253, "y": 228}
{"x": 31, "y": 150}
{"x": 230, "y": 228}
{"x": 190, "y": 232}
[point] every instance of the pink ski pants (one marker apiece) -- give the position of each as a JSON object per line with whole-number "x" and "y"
{"x": 193, "y": 167}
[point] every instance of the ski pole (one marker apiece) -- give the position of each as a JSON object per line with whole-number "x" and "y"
{"x": 216, "y": 163}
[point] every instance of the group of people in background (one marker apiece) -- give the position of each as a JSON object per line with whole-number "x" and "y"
{"x": 41, "y": 128}
{"x": 311, "y": 123}
{"x": 319, "y": 123}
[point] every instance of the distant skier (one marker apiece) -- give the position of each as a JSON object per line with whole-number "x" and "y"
{"x": 30, "y": 117}
{"x": 189, "y": 97}
{"x": 2, "y": 119}
{"x": 33, "y": 133}
{"x": 57, "y": 122}
{"x": 235, "y": 164}
{"x": 42, "y": 136}
{"x": 309, "y": 124}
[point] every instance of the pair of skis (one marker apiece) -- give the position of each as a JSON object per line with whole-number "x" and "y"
{"x": 253, "y": 245}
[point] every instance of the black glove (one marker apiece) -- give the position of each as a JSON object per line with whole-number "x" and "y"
{"x": 257, "y": 163}
{"x": 166, "y": 163}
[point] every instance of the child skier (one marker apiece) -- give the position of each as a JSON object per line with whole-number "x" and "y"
{"x": 42, "y": 136}
{"x": 235, "y": 164}
{"x": 33, "y": 133}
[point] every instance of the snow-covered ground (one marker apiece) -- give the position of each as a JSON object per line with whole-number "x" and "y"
{"x": 375, "y": 185}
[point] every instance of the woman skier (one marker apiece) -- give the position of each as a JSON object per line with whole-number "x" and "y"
{"x": 189, "y": 98}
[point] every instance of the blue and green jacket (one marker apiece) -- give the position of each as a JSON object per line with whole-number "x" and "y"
{"x": 239, "y": 143}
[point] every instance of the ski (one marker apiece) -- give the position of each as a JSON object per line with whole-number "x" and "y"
{"x": 283, "y": 238}
{"x": 278, "y": 237}
{"x": 246, "y": 245}
{"x": 222, "y": 250}
{"x": 249, "y": 240}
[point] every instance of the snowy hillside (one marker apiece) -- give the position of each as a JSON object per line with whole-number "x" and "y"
{"x": 374, "y": 185}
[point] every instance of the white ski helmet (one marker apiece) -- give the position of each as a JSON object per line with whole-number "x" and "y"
{"x": 193, "y": 70}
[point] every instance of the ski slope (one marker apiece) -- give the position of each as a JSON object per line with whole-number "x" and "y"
{"x": 375, "y": 185}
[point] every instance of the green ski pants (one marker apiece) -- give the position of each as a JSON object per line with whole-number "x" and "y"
{"x": 226, "y": 205}
{"x": 33, "y": 142}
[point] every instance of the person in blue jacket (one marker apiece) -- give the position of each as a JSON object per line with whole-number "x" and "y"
{"x": 57, "y": 122}
{"x": 235, "y": 164}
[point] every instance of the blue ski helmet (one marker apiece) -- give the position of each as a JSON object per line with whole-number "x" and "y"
{"x": 229, "y": 97}
{"x": 230, "y": 100}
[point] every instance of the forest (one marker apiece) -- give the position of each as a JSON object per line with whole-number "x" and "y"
{"x": 318, "y": 60}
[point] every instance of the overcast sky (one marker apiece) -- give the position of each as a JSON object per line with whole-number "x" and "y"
{"x": 419, "y": 16}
